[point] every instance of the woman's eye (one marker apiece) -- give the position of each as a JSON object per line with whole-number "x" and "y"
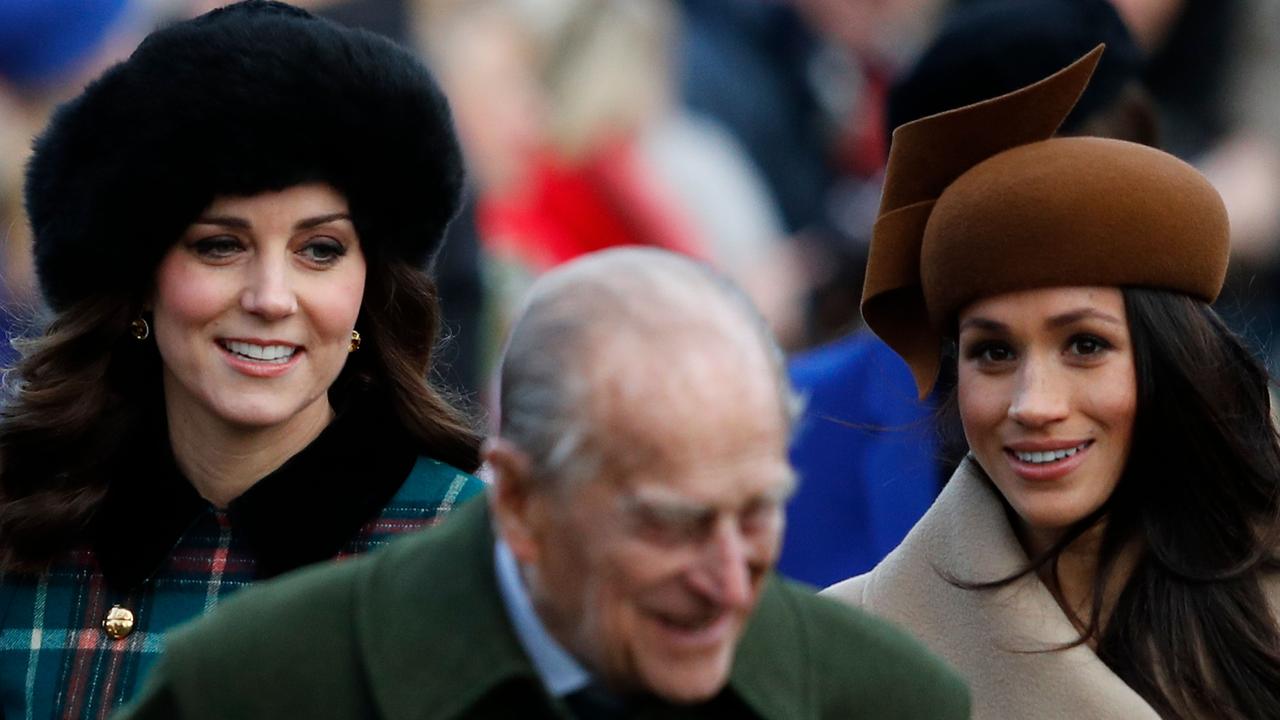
{"x": 217, "y": 248}
{"x": 1087, "y": 345}
{"x": 323, "y": 251}
{"x": 990, "y": 352}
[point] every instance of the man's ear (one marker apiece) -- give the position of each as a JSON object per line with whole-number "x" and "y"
{"x": 514, "y": 500}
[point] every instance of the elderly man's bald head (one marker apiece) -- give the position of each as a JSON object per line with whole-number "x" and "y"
{"x": 600, "y": 335}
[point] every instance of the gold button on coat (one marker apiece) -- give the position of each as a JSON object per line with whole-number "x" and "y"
{"x": 118, "y": 623}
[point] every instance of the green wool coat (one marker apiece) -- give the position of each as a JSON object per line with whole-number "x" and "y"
{"x": 419, "y": 631}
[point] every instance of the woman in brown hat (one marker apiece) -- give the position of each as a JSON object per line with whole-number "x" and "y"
{"x": 231, "y": 229}
{"x": 1107, "y": 548}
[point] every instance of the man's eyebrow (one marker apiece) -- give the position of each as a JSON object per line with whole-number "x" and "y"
{"x": 665, "y": 504}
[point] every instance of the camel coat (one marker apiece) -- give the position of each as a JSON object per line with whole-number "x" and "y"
{"x": 980, "y": 633}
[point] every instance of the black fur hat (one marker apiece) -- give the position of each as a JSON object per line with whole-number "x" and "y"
{"x": 252, "y": 97}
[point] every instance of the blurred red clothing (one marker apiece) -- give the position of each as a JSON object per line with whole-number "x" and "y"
{"x": 568, "y": 210}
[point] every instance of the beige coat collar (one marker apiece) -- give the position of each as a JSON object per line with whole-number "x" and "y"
{"x": 986, "y": 634}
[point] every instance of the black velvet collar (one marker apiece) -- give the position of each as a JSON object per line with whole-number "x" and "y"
{"x": 303, "y": 512}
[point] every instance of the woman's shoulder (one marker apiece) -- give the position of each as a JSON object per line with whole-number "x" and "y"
{"x": 849, "y": 590}
{"x": 429, "y": 493}
{"x": 435, "y": 483}
{"x": 8, "y": 590}
{"x": 964, "y": 514}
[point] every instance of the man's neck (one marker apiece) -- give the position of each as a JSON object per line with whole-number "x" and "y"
{"x": 222, "y": 461}
{"x": 559, "y": 671}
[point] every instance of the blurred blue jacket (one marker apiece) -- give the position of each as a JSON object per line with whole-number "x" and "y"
{"x": 42, "y": 41}
{"x": 867, "y": 454}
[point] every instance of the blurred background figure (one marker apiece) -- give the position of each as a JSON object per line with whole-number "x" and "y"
{"x": 1212, "y": 72}
{"x": 802, "y": 84}
{"x": 48, "y": 50}
{"x": 990, "y": 47}
{"x": 578, "y": 142}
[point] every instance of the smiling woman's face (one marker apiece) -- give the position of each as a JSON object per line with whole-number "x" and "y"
{"x": 1047, "y": 396}
{"x": 254, "y": 308}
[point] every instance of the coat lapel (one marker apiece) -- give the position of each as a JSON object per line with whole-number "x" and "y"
{"x": 431, "y": 623}
{"x": 996, "y": 639}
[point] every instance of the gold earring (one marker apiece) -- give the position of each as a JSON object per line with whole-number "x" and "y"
{"x": 355, "y": 341}
{"x": 140, "y": 329}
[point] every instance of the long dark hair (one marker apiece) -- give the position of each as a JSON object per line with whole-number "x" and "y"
{"x": 1191, "y": 630}
{"x": 85, "y": 386}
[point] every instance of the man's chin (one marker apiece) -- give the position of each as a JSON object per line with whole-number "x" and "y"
{"x": 689, "y": 681}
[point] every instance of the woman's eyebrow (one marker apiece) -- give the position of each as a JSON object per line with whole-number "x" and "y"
{"x": 1075, "y": 316}
{"x": 982, "y": 323}
{"x": 229, "y": 221}
{"x": 239, "y": 223}
{"x": 309, "y": 223}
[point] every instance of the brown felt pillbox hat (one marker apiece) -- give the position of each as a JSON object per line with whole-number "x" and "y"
{"x": 983, "y": 200}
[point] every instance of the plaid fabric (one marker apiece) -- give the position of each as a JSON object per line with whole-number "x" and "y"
{"x": 55, "y": 659}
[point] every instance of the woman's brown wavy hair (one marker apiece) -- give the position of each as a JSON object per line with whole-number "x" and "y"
{"x": 81, "y": 390}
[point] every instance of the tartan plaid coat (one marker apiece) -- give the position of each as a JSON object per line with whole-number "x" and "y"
{"x": 159, "y": 550}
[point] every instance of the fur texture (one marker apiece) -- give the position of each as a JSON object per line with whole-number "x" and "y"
{"x": 252, "y": 97}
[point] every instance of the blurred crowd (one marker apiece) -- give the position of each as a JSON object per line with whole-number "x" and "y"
{"x": 749, "y": 133}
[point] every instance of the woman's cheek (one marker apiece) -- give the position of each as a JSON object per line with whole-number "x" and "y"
{"x": 187, "y": 292}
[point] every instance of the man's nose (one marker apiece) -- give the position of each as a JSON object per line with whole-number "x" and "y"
{"x": 269, "y": 292}
{"x": 724, "y": 573}
{"x": 1040, "y": 396}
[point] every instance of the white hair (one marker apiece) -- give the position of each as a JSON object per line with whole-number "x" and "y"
{"x": 577, "y": 320}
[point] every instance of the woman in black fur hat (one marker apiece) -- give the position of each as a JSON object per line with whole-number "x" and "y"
{"x": 230, "y": 228}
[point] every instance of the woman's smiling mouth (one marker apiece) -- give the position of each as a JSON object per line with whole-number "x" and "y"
{"x": 260, "y": 358}
{"x": 1047, "y": 456}
{"x": 272, "y": 353}
{"x": 1041, "y": 461}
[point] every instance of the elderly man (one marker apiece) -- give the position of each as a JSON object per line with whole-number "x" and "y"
{"x": 621, "y": 567}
